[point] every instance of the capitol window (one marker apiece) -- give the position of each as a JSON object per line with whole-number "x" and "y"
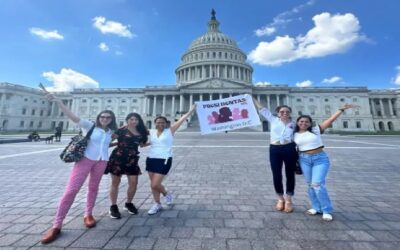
{"x": 95, "y": 101}
{"x": 109, "y": 101}
{"x": 298, "y": 100}
{"x": 134, "y": 100}
{"x": 214, "y": 54}
{"x": 311, "y": 100}
{"x": 342, "y": 99}
{"x": 326, "y": 100}
{"x": 354, "y": 99}
{"x": 358, "y": 124}
{"x": 84, "y": 100}
{"x": 24, "y": 111}
{"x": 21, "y": 123}
{"x": 226, "y": 55}
{"x": 123, "y": 100}
{"x": 345, "y": 124}
{"x": 26, "y": 99}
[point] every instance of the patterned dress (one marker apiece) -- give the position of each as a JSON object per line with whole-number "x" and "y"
{"x": 124, "y": 158}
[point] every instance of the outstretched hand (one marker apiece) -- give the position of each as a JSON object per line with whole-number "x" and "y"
{"x": 51, "y": 97}
{"x": 349, "y": 106}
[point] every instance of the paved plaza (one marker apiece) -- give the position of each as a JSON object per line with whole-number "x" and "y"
{"x": 224, "y": 199}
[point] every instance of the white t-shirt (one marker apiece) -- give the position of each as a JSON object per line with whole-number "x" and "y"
{"x": 97, "y": 148}
{"x": 160, "y": 146}
{"x": 307, "y": 140}
{"x": 280, "y": 132}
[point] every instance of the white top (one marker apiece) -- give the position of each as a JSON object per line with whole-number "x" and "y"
{"x": 160, "y": 146}
{"x": 97, "y": 148}
{"x": 280, "y": 132}
{"x": 307, "y": 140}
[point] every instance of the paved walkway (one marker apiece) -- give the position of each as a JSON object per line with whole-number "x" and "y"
{"x": 224, "y": 199}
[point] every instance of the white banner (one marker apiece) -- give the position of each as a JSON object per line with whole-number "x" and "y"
{"x": 227, "y": 114}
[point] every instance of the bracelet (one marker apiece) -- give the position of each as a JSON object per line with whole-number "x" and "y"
{"x": 342, "y": 110}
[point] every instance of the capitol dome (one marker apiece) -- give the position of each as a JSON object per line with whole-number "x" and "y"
{"x": 213, "y": 55}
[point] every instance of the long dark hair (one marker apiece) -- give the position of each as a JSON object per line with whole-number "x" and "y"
{"x": 112, "y": 125}
{"x": 297, "y": 129}
{"x": 140, "y": 127}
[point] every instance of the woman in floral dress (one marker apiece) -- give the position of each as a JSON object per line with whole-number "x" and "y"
{"x": 124, "y": 161}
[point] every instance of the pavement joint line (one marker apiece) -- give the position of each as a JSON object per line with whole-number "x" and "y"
{"x": 192, "y": 146}
{"x": 29, "y": 153}
{"x": 369, "y": 143}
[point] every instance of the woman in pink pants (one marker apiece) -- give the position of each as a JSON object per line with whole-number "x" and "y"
{"x": 92, "y": 164}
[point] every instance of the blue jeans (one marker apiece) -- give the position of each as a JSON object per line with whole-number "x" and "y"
{"x": 315, "y": 168}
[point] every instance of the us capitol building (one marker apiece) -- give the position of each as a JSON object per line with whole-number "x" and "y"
{"x": 213, "y": 67}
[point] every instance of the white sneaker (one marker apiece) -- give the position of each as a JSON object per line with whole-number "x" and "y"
{"x": 312, "y": 211}
{"x": 327, "y": 217}
{"x": 155, "y": 209}
{"x": 169, "y": 198}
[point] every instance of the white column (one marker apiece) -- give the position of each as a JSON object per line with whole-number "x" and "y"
{"x": 278, "y": 103}
{"x": 259, "y": 98}
{"x": 210, "y": 97}
{"x": 164, "y": 100}
{"x": 381, "y": 107}
{"x": 287, "y": 100}
{"x": 390, "y": 107}
{"x": 53, "y": 104}
{"x": 230, "y": 94}
{"x": 201, "y": 97}
{"x": 233, "y": 72}
{"x": 373, "y": 107}
{"x": 269, "y": 102}
{"x": 220, "y": 95}
{"x": 190, "y": 100}
{"x": 173, "y": 106}
{"x": 180, "y": 103}
{"x": 144, "y": 105}
{"x": 154, "y": 105}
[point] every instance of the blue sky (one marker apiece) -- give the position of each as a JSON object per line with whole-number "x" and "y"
{"x": 99, "y": 43}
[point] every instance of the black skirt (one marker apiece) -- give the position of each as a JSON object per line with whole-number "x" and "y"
{"x": 159, "y": 166}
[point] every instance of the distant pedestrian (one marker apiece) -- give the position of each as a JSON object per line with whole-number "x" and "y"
{"x": 314, "y": 161}
{"x": 124, "y": 161}
{"x": 282, "y": 150}
{"x": 159, "y": 160}
{"x": 92, "y": 164}
{"x": 58, "y": 132}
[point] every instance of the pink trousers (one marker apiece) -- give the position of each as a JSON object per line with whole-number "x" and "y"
{"x": 81, "y": 170}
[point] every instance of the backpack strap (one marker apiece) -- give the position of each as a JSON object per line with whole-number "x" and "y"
{"x": 89, "y": 133}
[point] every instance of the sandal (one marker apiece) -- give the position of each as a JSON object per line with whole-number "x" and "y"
{"x": 280, "y": 205}
{"x": 288, "y": 207}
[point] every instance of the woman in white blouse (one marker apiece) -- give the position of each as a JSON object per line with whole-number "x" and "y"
{"x": 159, "y": 160}
{"x": 314, "y": 161}
{"x": 282, "y": 150}
{"x": 92, "y": 165}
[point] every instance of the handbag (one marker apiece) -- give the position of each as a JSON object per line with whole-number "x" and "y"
{"x": 75, "y": 150}
{"x": 297, "y": 169}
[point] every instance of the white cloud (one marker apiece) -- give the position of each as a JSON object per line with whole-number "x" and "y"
{"x": 330, "y": 35}
{"x": 304, "y": 84}
{"x": 47, "y": 35}
{"x": 265, "y": 31}
{"x": 112, "y": 27}
{"x": 282, "y": 19}
{"x": 68, "y": 79}
{"x": 263, "y": 84}
{"x": 396, "y": 79}
{"x": 333, "y": 79}
{"x": 104, "y": 47}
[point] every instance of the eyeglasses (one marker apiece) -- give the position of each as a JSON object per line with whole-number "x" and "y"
{"x": 105, "y": 117}
{"x": 282, "y": 112}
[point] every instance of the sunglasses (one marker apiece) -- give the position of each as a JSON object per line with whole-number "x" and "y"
{"x": 105, "y": 117}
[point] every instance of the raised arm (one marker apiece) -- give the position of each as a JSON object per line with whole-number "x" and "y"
{"x": 266, "y": 113}
{"x": 63, "y": 108}
{"x": 257, "y": 104}
{"x": 325, "y": 124}
{"x": 178, "y": 123}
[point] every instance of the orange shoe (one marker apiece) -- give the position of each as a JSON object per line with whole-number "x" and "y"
{"x": 51, "y": 235}
{"x": 89, "y": 221}
{"x": 280, "y": 205}
{"x": 288, "y": 207}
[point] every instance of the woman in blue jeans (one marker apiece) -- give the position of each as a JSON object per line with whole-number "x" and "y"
{"x": 315, "y": 162}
